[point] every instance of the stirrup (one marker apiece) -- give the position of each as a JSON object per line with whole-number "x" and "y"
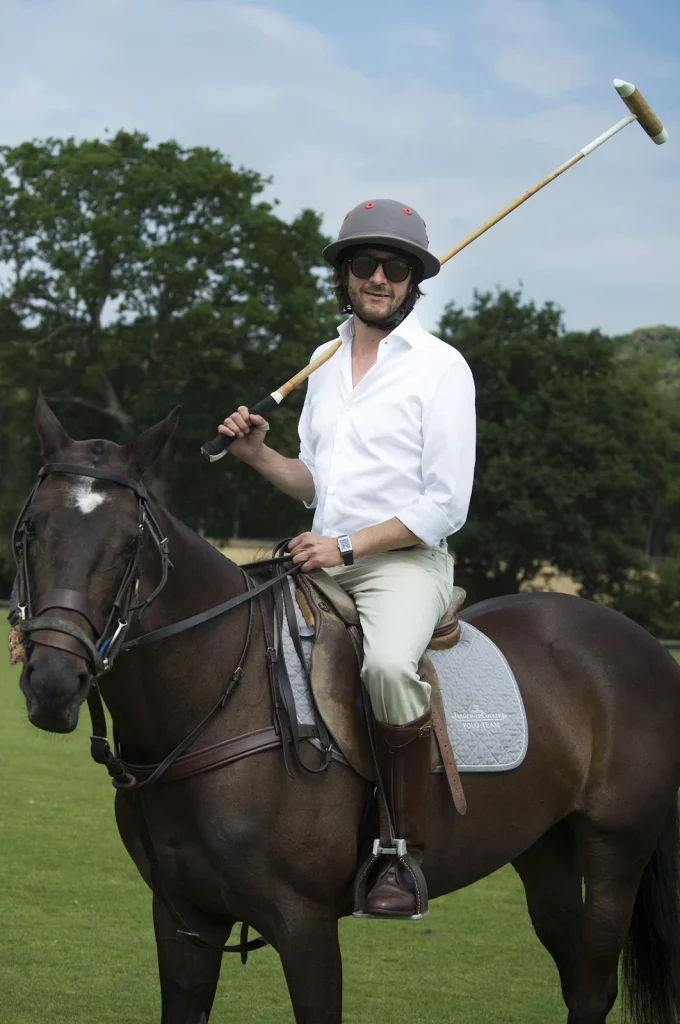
{"x": 400, "y": 852}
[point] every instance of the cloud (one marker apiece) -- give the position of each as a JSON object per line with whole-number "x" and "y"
{"x": 532, "y": 46}
{"x": 456, "y": 139}
{"x": 414, "y": 33}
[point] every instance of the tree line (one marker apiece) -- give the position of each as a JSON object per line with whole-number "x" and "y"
{"x": 137, "y": 277}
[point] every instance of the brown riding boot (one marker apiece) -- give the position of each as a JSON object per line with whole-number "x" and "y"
{"x": 404, "y": 760}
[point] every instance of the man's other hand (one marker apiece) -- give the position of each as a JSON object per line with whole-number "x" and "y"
{"x": 311, "y": 551}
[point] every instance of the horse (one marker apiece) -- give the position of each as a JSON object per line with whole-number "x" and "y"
{"x": 589, "y": 820}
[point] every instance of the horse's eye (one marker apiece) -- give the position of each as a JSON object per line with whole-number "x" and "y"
{"x": 29, "y": 528}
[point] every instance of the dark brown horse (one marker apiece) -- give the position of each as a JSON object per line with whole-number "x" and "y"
{"x": 594, "y": 801}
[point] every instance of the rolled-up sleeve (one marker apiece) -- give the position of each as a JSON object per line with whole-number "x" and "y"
{"x": 306, "y": 444}
{"x": 448, "y": 460}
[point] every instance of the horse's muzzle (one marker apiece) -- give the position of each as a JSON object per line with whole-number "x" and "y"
{"x": 54, "y": 685}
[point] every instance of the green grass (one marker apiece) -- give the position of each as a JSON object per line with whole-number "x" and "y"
{"x": 76, "y": 943}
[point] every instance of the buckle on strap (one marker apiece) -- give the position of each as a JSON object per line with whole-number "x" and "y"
{"x": 101, "y": 753}
{"x": 398, "y": 850}
{"x": 109, "y": 648}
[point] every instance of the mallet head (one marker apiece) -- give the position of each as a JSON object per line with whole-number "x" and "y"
{"x": 642, "y": 110}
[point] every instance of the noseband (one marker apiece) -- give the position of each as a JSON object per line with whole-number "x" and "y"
{"x": 42, "y": 622}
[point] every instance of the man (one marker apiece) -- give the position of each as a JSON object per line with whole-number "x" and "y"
{"x": 387, "y": 441}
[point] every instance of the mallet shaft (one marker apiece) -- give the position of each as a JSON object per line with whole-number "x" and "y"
{"x": 623, "y": 123}
{"x": 639, "y": 111}
{"x": 511, "y": 206}
{"x": 538, "y": 186}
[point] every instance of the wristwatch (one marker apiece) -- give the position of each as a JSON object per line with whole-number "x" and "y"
{"x": 346, "y": 549}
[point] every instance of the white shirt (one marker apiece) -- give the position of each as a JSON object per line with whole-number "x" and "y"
{"x": 401, "y": 443}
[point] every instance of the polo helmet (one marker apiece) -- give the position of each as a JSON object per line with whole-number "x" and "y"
{"x": 388, "y": 224}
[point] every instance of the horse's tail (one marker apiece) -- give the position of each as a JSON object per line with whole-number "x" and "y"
{"x": 651, "y": 957}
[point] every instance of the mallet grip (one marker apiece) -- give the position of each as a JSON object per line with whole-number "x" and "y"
{"x": 639, "y": 106}
{"x": 215, "y": 449}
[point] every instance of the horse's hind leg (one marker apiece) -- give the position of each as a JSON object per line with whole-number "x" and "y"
{"x": 585, "y": 940}
{"x": 551, "y": 873}
{"x": 613, "y": 862}
{"x": 188, "y": 973}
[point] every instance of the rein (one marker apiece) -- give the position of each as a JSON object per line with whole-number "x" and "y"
{"x": 56, "y": 630}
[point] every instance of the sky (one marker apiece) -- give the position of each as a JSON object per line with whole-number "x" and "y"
{"x": 451, "y": 106}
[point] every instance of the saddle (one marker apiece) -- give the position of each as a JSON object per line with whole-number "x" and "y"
{"x": 324, "y": 588}
{"x": 335, "y": 663}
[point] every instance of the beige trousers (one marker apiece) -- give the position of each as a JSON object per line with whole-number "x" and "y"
{"x": 400, "y": 597}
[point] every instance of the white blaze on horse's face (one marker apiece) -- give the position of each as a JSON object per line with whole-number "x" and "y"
{"x": 82, "y": 496}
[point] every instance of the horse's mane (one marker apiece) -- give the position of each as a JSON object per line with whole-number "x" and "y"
{"x": 194, "y": 539}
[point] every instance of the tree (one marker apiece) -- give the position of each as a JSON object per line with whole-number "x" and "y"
{"x": 574, "y": 450}
{"x": 654, "y": 352}
{"x": 138, "y": 277}
{"x": 657, "y": 349}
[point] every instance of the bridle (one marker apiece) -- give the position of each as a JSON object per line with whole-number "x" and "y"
{"x": 40, "y": 621}
{"x": 41, "y": 625}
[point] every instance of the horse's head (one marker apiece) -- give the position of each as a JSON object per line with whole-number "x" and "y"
{"x": 78, "y": 544}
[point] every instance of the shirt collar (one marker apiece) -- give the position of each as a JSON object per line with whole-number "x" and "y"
{"x": 409, "y": 330}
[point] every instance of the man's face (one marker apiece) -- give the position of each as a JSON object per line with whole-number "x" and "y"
{"x": 376, "y": 298}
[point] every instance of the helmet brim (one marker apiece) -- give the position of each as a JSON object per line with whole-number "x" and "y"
{"x": 430, "y": 264}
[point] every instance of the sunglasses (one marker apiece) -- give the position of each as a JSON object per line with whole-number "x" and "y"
{"x": 395, "y": 270}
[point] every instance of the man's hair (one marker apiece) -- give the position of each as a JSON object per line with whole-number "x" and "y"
{"x": 340, "y": 287}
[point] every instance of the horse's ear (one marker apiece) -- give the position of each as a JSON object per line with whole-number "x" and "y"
{"x": 53, "y": 437}
{"x": 146, "y": 448}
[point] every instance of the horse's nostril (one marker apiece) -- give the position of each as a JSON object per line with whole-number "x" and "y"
{"x": 83, "y": 678}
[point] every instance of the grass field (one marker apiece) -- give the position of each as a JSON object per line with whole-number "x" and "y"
{"x": 76, "y": 943}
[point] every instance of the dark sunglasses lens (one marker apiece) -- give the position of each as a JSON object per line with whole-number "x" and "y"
{"x": 363, "y": 266}
{"x": 396, "y": 271}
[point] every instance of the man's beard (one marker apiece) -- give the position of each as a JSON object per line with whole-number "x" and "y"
{"x": 367, "y": 312}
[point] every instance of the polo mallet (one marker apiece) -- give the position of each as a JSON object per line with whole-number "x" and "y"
{"x": 639, "y": 110}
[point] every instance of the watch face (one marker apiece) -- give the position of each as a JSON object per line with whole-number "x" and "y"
{"x": 344, "y": 543}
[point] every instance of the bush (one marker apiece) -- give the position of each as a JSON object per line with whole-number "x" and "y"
{"x": 652, "y": 598}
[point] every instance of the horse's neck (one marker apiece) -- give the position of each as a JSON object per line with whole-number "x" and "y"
{"x": 200, "y": 576}
{"x": 158, "y": 694}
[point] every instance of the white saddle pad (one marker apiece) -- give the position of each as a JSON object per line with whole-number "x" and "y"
{"x": 485, "y": 715}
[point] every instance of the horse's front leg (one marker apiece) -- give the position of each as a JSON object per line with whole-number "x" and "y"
{"x": 188, "y": 973}
{"x": 307, "y": 942}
